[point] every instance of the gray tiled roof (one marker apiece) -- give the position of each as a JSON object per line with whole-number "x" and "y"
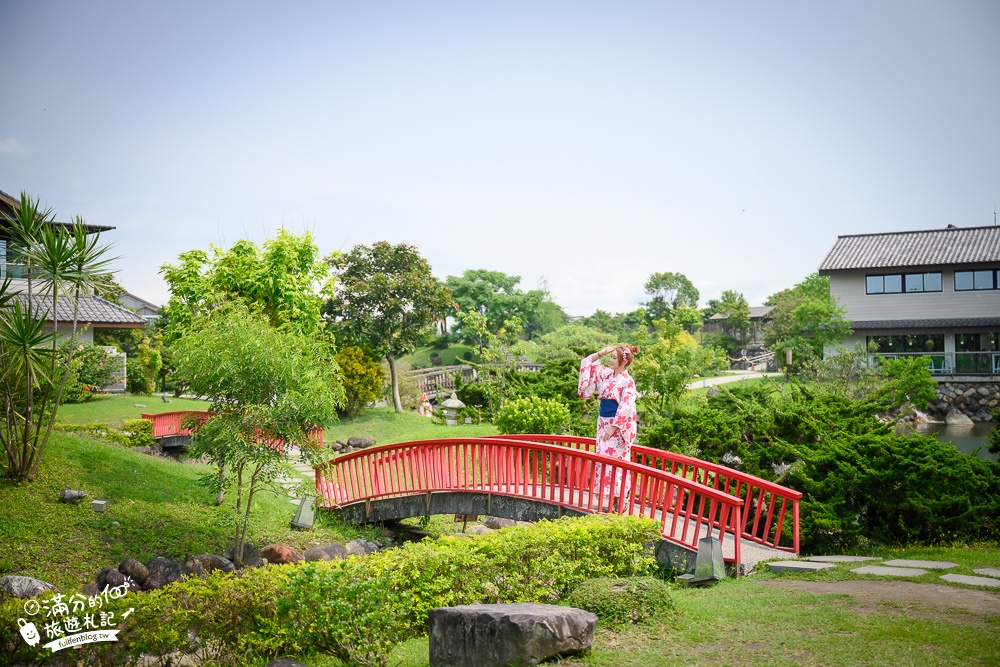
{"x": 957, "y": 245}
{"x": 927, "y": 324}
{"x": 93, "y": 309}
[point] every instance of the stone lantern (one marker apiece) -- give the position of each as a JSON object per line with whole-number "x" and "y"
{"x": 451, "y": 407}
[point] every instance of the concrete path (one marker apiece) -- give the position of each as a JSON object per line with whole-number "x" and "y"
{"x": 891, "y": 568}
{"x": 732, "y": 376}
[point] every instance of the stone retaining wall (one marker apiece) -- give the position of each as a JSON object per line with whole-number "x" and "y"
{"x": 976, "y": 399}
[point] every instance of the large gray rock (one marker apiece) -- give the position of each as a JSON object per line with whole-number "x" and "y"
{"x": 212, "y": 562}
{"x": 360, "y": 547}
{"x": 956, "y": 417}
{"x": 24, "y": 587}
{"x": 325, "y": 552}
{"x": 497, "y": 635}
{"x": 497, "y": 522}
{"x": 162, "y": 571}
{"x": 251, "y": 556}
{"x": 109, "y": 578}
{"x": 135, "y": 570}
{"x": 361, "y": 443}
{"x": 191, "y": 567}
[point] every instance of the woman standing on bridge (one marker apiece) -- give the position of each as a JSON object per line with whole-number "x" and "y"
{"x": 617, "y": 424}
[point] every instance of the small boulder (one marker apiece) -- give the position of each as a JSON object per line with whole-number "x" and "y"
{"x": 497, "y": 522}
{"x": 279, "y": 554}
{"x": 360, "y": 547}
{"x": 109, "y": 578}
{"x": 90, "y": 589}
{"x": 284, "y": 662}
{"x": 192, "y": 567}
{"x": 251, "y": 555}
{"x": 325, "y": 552}
{"x": 361, "y": 443}
{"x": 957, "y": 418}
{"x": 162, "y": 571}
{"x": 211, "y": 562}
{"x": 478, "y": 530}
{"x": 71, "y": 496}
{"x": 135, "y": 570}
{"x": 495, "y": 635}
{"x": 24, "y": 587}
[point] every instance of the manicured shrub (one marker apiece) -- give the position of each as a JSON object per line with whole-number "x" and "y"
{"x": 364, "y": 379}
{"x": 356, "y": 610}
{"x": 532, "y": 415}
{"x": 537, "y": 563}
{"x": 133, "y": 432}
{"x": 139, "y": 432}
{"x": 620, "y": 601}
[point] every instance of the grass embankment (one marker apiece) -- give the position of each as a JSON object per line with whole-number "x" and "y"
{"x": 158, "y": 503}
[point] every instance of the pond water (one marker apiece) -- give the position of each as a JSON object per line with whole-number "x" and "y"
{"x": 965, "y": 438}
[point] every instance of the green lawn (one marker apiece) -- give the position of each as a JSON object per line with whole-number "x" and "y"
{"x": 387, "y": 427}
{"x": 113, "y": 409}
{"x": 450, "y": 356}
{"x": 757, "y": 622}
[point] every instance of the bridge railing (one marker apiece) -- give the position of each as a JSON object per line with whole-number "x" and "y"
{"x": 553, "y": 473}
{"x": 767, "y": 505}
{"x": 172, "y": 423}
{"x": 167, "y": 424}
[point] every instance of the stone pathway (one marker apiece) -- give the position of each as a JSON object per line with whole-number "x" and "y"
{"x": 302, "y": 473}
{"x": 891, "y": 568}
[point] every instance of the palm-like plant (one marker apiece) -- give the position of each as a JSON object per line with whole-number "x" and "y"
{"x": 62, "y": 263}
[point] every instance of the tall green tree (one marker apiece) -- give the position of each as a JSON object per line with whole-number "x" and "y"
{"x": 286, "y": 279}
{"x": 386, "y": 299}
{"x": 805, "y": 319}
{"x": 265, "y": 384}
{"x": 498, "y": 297}
{"x": 666, "y": 292}
{"x": 59, "y": 263}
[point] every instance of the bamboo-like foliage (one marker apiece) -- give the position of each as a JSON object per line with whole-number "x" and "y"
{"x": 59, "y": 263}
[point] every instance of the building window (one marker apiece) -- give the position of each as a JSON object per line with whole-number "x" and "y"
{"x": 966, "y": 281}
{"x": 918, "y": 344}
{"x": 895, "y": 283}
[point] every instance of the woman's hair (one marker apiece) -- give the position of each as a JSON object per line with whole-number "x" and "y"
{"x": 626, "y": 353}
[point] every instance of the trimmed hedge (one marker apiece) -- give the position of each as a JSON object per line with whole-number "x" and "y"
{"x": 358, "y": 609}
{"x": 620, "y": 601}
{"x": 133, "y": 432}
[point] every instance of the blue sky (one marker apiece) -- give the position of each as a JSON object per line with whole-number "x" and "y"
{"x": 584, "y": 144}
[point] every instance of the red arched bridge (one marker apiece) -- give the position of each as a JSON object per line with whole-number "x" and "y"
{"x": 543, "y": 476}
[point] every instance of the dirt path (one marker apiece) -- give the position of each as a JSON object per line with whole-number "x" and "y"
{"x": 927, "y": 601}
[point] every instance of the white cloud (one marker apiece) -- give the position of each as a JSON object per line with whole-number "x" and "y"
{"x": 12, "y": 147}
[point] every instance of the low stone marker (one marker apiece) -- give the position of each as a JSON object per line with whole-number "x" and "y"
{"x": 498, "y": 635}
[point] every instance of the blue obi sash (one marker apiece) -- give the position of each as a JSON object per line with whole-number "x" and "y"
{"x": 609, "y": 407}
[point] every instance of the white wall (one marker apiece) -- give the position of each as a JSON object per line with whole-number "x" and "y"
{"x": 850, "y": 292}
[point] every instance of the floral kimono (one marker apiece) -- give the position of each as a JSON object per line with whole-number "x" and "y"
{"x": 611, "y": 389}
